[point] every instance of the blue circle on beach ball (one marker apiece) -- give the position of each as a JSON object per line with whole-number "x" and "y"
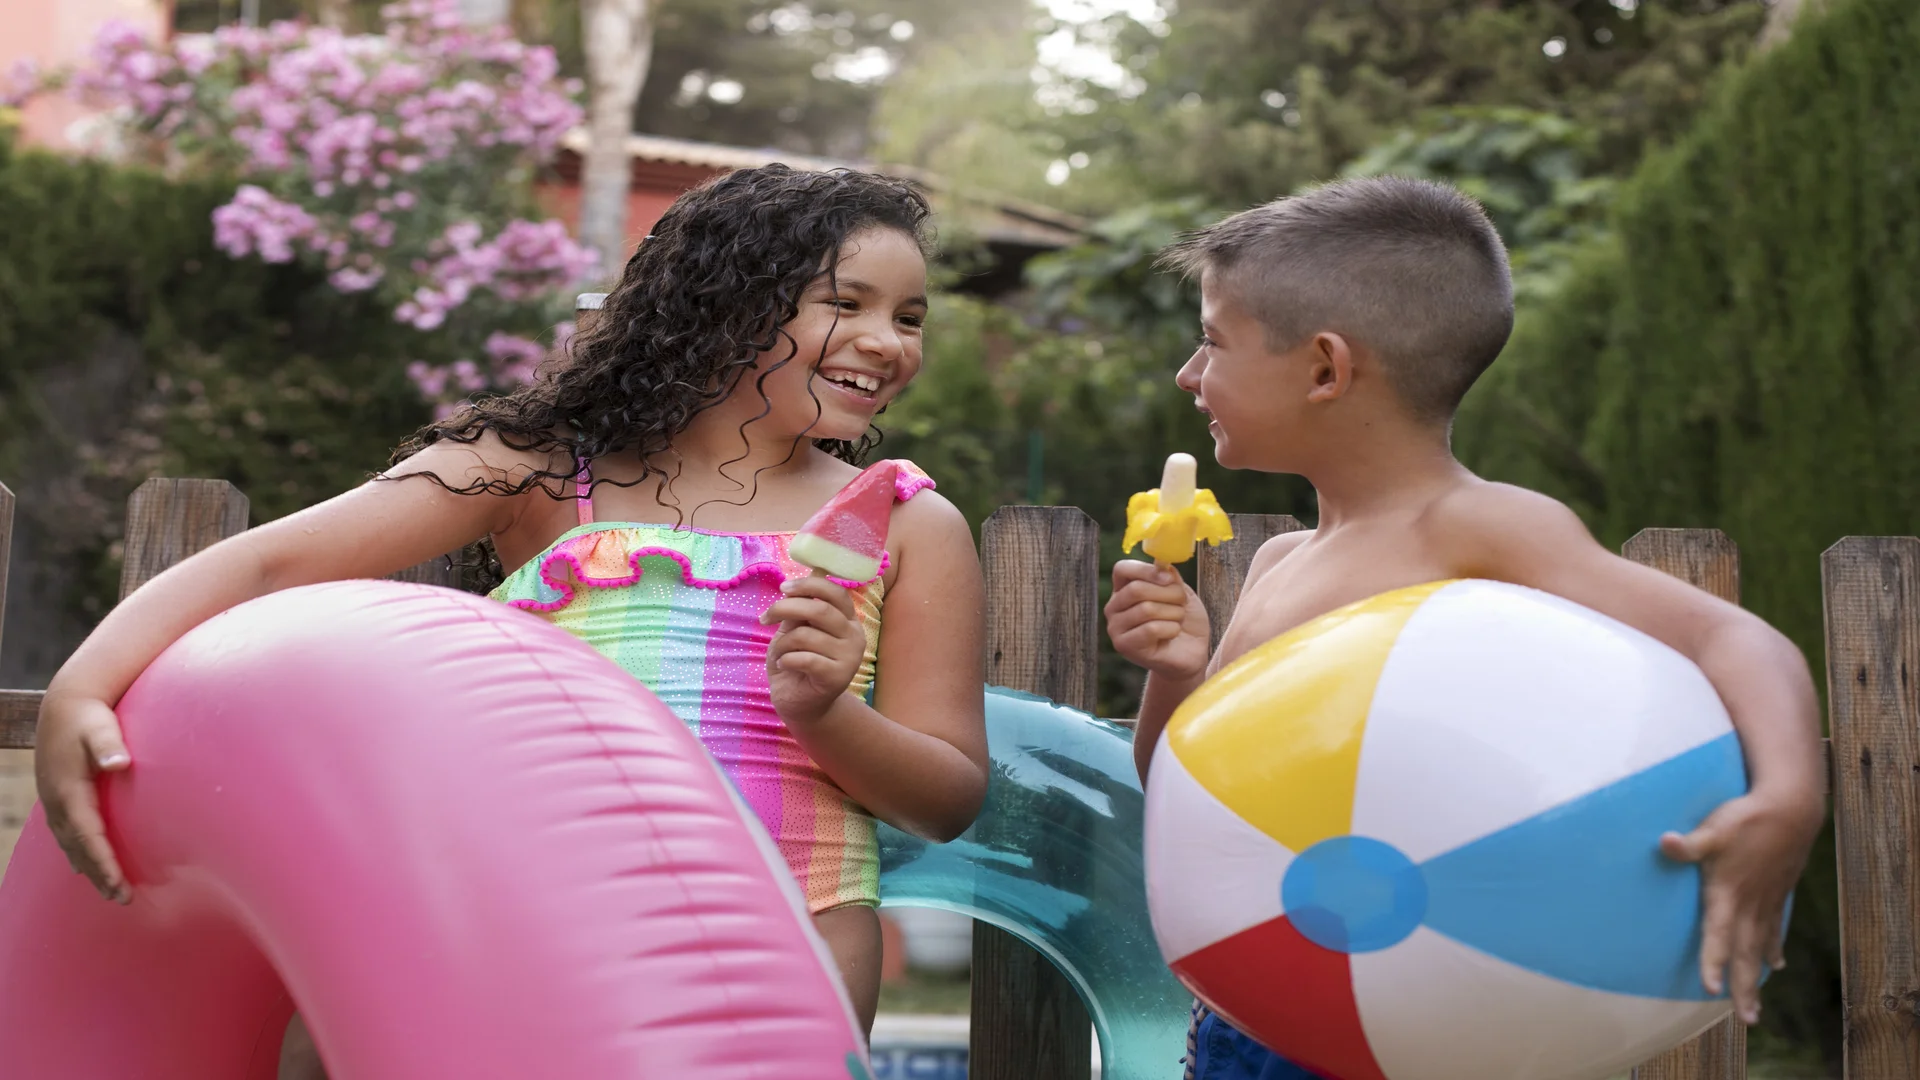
{"x": 1354, "y": 894}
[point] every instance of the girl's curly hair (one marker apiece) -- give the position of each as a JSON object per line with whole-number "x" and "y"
{"x": 702, "y": 297}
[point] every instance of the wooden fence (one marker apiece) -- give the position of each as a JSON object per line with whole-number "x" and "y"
{"x": 1042, "y": 566}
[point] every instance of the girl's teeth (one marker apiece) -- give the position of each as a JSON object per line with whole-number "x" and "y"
{"x": 868, "y": 383}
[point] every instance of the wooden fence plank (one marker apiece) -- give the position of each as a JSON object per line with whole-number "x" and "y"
{"x": 1706, "y": 559}
{"x": 16, "y": 716}
{"x": 1703, "y": 558}
{"x": 1720, "y": 1051}
{"x": 1041, "y": 565}
{"x": 6, "y": 549}
{"x": 1872, "y": 587}
{"x": 18, "y": 711}
{"x": 1043, "y": 614}
{"x": 168, "y": 520}
{"x": 16, "y": 766}
{"x": 1220, "y": 571}
{"x": 443, "y": 571}
{"x": 454, "y": 570}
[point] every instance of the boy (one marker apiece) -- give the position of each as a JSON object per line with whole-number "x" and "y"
{"x": 1342, "y": 329}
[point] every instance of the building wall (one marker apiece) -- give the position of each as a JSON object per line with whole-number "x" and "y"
{"x": 644, "y": 207}
{"x": 58, "y": 33}
{"x": 652, "y": 187}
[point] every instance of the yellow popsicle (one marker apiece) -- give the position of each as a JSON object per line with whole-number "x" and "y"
{"x": 1169, "y": 520}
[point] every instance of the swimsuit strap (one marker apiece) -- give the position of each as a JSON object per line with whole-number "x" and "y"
{"x": 583, "y": 493}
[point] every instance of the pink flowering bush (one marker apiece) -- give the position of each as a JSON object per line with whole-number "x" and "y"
{"x": 21, "y": 80}
{"x": 400, "y": 163}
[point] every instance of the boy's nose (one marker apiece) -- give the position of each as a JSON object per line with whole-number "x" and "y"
{"x": 1188, "y": 377}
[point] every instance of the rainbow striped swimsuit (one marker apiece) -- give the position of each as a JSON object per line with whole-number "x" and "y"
{"x": 680, "y": 609}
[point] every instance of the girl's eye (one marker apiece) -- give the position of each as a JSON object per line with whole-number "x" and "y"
{"x": 915, "y": 321}
{"x": 847, "y": 305}
{"x": 1205, "y": 342}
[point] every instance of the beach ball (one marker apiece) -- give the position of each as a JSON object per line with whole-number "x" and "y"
{"x": 1417, "y": 839}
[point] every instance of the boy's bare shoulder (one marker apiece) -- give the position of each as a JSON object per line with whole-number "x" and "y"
{"x": 1481, "y": 508}
{"x": 1272, "y": 552}
{"x": 1484, "y": 522}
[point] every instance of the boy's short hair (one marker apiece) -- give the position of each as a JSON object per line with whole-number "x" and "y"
{"x": 1411, "y": 269}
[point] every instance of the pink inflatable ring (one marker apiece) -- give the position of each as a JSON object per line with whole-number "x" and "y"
{"x": 465, "y": 843}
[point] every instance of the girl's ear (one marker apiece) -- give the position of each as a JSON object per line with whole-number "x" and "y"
{"x": 1331, "y": 373}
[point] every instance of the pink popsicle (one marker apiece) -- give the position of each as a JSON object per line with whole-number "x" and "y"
{"x": 848, "y": 537}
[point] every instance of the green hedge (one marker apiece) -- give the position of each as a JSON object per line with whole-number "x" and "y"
{"x": 257, "y": 374}
{"x": 1743, "y": 352}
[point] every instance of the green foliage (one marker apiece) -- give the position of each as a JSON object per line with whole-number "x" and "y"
{"x": 950, "y": 113}
{"x": 261, "y": 375}
{"x": 1740, "y": 354}
{"x": 1242, "y": 102}
{"x": 1531, "y": 170}
{"x": 789, "y": 63}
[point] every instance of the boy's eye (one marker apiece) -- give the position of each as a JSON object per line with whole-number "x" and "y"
{"x": 1205, "y": 342}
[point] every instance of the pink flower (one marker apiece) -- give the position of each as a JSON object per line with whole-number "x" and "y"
{"x": 514, "y": 358}
{"x": 22, "y": 81}
{"x": 467, "y": 374}
{"x": 257, "y": 223}
{"x": 393, "y": 162}
{"x": 349, "y": 280}
{"x": 432, "y": 381}
{"x": 197, "y": 53}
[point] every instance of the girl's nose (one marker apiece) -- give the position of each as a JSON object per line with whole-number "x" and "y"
{"x": 880, "y": 341}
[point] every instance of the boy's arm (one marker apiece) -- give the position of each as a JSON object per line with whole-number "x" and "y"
{"x": 1167, "y": 688}
{"x": 1754, "y": 847}
{"x": 1161, "y": 696}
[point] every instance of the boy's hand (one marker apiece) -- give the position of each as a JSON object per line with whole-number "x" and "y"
{"x": 1751, "y": 851}
{"x": 78, "y": 738}
{"x": 1156, "y": 621}
{"x": 817, "y": 651}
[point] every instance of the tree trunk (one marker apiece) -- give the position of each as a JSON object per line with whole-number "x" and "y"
{"x": 332, "y": 13}
{"x": 1780, "y": 19}
{"x": 484, "y": 12}
{"x": 618, "y": 35}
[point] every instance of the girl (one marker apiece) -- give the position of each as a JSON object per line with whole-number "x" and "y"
{"x": 723, "y": 394}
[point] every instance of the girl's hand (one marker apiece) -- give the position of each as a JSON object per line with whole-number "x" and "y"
{"x": 78, "y": 739}
{"x": 1156, "y": 621}
{"x": 813, "y": 658}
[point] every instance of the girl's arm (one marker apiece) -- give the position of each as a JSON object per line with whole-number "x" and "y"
{"x": 919, "y": 760}
{"x": 372, "y": 531}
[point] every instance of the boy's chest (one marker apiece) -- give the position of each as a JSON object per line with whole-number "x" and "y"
{"x": 1310, "y": 583}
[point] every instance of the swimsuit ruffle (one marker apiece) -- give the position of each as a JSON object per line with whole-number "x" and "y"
{"x": 608, "y": 556}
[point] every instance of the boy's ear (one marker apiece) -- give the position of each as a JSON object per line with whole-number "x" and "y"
{"x": 1331, "y": 370}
